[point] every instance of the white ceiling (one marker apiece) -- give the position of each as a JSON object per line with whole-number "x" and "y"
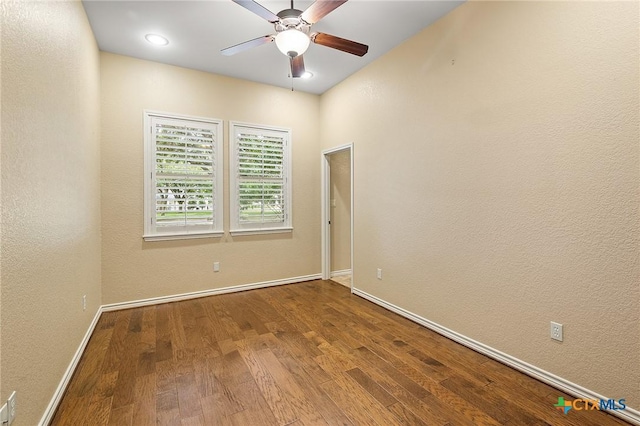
{"x": 198, "y": 30}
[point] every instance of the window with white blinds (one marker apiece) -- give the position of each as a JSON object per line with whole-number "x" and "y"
{"x": 260, "y": 188}
{"x": 183, "y": 177}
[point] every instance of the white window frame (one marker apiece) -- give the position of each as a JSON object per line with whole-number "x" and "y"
{"x": 159, "y": 233}
{"x": 238, "y": 228}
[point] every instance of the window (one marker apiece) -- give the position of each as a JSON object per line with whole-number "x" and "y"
{"x": 260, "y": 169}
{"x": 183, "y": 177}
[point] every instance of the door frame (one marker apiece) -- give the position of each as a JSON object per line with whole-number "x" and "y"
{"x": 325, "y": 192}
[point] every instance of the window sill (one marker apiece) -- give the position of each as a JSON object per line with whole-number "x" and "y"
{"x": 236, "y": 232}
{"x": 190, "y": 236}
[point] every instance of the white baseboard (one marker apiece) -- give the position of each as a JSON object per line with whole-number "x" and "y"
{"x": 340, "y": 273}
{"x": 66, "y": 377}
{"x": 629, "y": 414}
{"x": 205, "y": 293}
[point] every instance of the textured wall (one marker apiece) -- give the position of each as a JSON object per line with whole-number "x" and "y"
{"x": 50, "y": 196}
{"x": 1, "y": 391}
{"x": 341, "y": 214}
{"x": 496, "y": 181}
{"x": 133, "y": 269}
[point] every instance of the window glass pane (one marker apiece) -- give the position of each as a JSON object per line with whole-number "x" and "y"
{"x": 261, "y": 202}
{"x": 183, "y": 201}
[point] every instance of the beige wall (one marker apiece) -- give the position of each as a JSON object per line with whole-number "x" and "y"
{"x": 133, "y": 269}
{"x": 1, "y": 21}
{"x": 496, "y": 181}
{"x": 340, "y": 164}
{"x": 50, "y": 196}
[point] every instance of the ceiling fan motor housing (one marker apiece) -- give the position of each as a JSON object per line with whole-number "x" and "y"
{"x": 290, "y": 19}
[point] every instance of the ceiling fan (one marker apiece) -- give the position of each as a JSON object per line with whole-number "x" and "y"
{"x": 293, "y": 32}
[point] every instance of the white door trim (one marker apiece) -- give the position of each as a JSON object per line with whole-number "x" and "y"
{"x": 325, "y": 192}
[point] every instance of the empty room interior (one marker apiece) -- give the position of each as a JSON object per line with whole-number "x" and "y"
{"x": 447, "y": 234}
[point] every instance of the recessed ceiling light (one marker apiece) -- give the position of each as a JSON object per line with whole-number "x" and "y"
{"x": 156, "y": 39}
{"x": 307, "y": 75}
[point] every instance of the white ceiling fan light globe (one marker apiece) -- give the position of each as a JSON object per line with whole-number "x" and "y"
{"x": 292, "y": 42}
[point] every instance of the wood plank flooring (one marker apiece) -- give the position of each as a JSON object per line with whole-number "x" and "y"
{"x": 299, "y": 354}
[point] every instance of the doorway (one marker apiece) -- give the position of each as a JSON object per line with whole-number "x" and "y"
{"x": 337, "y": 215}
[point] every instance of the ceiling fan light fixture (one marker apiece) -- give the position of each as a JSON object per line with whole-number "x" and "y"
{"x": 292, "y": 42}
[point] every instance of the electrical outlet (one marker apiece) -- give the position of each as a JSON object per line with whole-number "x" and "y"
{"x": 216, "y": 266}
{"x": 556, "y": 331}
{"x": 379, "y": 275}
{"x": 84, "y": 302}
{"x": 11, "y": 407}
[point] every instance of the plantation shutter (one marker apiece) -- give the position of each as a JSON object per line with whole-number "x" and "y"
{"x": 184, "y": 176}
{"x": 262, "y": 199}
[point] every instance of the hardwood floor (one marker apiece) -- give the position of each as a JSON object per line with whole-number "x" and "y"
{"x": 300, "y": 354}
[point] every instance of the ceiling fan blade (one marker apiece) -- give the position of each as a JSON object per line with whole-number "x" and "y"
{"x": 297, "y": 66}
{"x": 343, "y": 44}
{"x": 247, "y": 45}
{"x": 258, "y": 9}
{"x": 320, "y": 9}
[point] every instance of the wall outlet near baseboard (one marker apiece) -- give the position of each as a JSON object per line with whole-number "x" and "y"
{"x": 379, "y": 274}
{"x": 556, "y": 331}
{"x": 216, "y": 266}
{"x": 84, "y": 302}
